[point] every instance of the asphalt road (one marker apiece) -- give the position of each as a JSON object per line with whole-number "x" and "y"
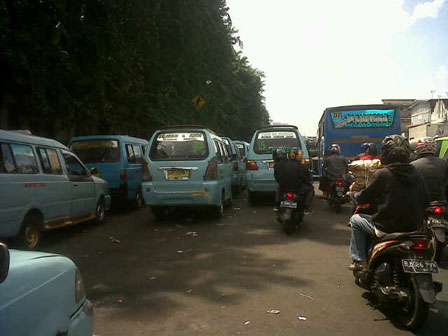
{"x": 191, "y": 275}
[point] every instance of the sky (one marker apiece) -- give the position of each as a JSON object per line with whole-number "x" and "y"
{"x": 323, "y": 53}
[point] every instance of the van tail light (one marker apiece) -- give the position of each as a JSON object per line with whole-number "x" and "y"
{"x": 235, "y": 166}
{"x": 146, "y": 176}
{"x": 307, "y": 163}
{"x": 420, "y": 246}
{"x": 438, "y": 210}
{"x": 289, "y": 196}
{"x": 340, "y": 183}
{"x": 212, "y": 170}
{"x": 251, "y": 165}
{"x": 123, "y": 175}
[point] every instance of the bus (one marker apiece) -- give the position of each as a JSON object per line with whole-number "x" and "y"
{"x": 351, "y": 126}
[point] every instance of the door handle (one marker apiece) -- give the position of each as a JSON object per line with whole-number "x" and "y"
{"x": 75, "y": 184}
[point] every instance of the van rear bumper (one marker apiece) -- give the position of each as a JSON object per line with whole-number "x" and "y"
{"x": 208, "y": 194}
{"x": 261, "y": 181}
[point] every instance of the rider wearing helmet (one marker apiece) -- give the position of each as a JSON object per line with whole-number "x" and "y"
{"x": 433, "y": 169}
{"x": 363, "y": 153}
{"x": 400, "y": 196}
{"x": 335, "y": 166}
{"x": 306, "y": 181}
{"x": 371, "y": 152}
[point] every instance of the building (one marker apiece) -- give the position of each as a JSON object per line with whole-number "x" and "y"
{"x": 429, "y": 118}
{"x": 405, "y": 113}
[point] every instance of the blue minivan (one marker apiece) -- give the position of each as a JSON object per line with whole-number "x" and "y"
{"x": 239, "y": 166}
{"x": 260, "y": 164}
{"x": 45, "y": 186}
{"x": 188, "y": 166}
{"x": 42, "y": 294}
{"x": 118, "y": 159}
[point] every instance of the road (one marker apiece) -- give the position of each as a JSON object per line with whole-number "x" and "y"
{"x": 193, "y": 276}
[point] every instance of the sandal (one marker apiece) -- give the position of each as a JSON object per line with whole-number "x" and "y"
{"x": 356, "y": 266}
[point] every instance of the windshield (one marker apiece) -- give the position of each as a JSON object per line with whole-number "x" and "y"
{"x": 96, "y": 150}
{"x": 241, "y": 149}
{"x": 268, "y": 141}
{"x": 175, "y": 146}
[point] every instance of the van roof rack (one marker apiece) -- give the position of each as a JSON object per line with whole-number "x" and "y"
{"x": 25, "y": 132}
{"x": 278, "y": 126}
{"x": 186, "y": 126}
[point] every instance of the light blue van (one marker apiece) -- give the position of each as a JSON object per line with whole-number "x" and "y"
{"x": 243, "y": 147}
{"x": 239, "y": 166}
{"x": 188, "y": 166}
{"x": 44, "y": 186}
{"x": 118, "y": 159}
{"x": 42, "y": 294}
{"x": 260, "y": 164}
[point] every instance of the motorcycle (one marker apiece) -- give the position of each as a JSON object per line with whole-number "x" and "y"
{"x": 291, "y": 211}
{"x": 400, "y": 276}
{"x": 336, "y": 194}
{"x": 436, "y": 225}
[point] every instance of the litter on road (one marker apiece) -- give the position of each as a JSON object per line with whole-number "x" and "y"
{"x": 273, "y": 311}
{"x": 246, "y": 322}
{"x": 114, "y": 240}
{"x": 301, "y": 318}
{"x": 307, "y": 296}
{"x": 192, "y": 233}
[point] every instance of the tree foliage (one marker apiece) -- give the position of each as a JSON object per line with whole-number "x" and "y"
{"x": 75, "y": 67}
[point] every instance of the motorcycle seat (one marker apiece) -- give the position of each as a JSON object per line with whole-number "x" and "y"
{"x": 402, "y": 236}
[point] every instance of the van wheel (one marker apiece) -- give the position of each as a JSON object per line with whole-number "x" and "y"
{"x": 218, "y": 211}
{"x": 30, "y": 235}
{"x": 100, "y": 211}
{"x": 138, "y": 200}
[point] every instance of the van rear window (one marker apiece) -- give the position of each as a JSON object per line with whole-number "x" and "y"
{"x": 96, "y": 150}
{"x": 268, "y": 141}
{"x": 176, "y": 146}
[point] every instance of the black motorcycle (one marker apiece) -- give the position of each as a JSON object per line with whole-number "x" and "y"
{"x": 291, "y": 211}
{"x": 336, "y": 194}
{"x": 399, "y": 274}
{"x": 436, "y": 225}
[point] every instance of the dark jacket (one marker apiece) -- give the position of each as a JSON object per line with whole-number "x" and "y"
{"x": 335, "y": 166}
{"x": 435, "y": 173}
{"x": 290, "y": 175}
{"x": 400, "y": 195}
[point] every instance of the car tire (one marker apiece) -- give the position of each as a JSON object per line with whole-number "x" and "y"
{"x": 30, "y": 235}
{"x": 100, "y": 211}
{"x": 218, "y": 211}
{"x": 138, "y": 203}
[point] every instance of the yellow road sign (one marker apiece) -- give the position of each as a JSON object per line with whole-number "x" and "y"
{"x": 199, "y": 101}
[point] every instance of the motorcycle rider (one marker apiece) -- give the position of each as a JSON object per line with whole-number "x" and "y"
{"x": 306, "y": 182}
{"x": 400, "y": 195}
{"x": 433, "y": 169}
{"x": 371, "y": 152}
{"x": 335, "y": 166}
{"x": 363, "y": 153}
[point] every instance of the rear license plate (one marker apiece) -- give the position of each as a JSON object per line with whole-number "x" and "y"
{"x": 271, "y": 165}
{"x": 437, "y": 223}
{"x": 419, "y": 266}
{"x": 340, "y": 189}
{"x": 288, "y": 204}
{"x": 177, "y": 174}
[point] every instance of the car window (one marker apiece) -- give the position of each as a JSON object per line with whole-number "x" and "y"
{"x": 174, "y": 146}
{"x": 268, "y": 141}
{"x": 225, "y": 154}
{"x": 138, "y": 155}
{"x": 217, "y": 151}
{"x": 74, "y": 167}
{"x": 7, "y": 164}
{"x": 24, "y": 159}
{"x": 96, "y": 150}
{"x": 49, "y": 161}
{"x": 241, "y": 149}
{"x": 130, "y": 153}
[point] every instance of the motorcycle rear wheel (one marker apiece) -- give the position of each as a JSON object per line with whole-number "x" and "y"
{"x": 414, "y": 313}
{"x": 288, "y": 226}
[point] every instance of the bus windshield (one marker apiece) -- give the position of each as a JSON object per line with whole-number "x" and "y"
{"x": 268, "y": 141}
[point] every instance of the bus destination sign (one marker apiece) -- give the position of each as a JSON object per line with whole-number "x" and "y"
{"x": 362, "y": 118}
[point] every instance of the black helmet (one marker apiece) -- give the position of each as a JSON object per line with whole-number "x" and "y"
{"x": 372, "y": 149}
{"x": 364, "y": 146}
{"x": 279, "y": 154}
{"x": 395, "y": 148}
{"x": 335, "y": 149}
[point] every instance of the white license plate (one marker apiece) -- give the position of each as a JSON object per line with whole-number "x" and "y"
{"x": 271, "y": 165}
{"x": 437, "y": 223}
{"x": 288, "y": 204}
{"x": 419, "y": 266}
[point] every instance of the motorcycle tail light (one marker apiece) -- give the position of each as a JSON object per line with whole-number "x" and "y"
{"x": 289, "y": 196}
{"x": 340, "y": 183}
{"x": 420, "y": 246}
{"x": 438, "y": 210}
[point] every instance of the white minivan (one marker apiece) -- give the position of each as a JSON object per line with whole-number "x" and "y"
{"x": 44, "y": 186}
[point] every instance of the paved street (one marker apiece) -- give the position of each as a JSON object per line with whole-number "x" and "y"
{"x": 194, "y": 276}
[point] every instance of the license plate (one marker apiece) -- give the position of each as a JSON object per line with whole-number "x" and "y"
{"x": 271, "y": 165}
{"x": 177, "y": 174}
{"x": 437, "y": 223}
{"x": 419, "y": 266}
{"x": 340, "y": 189}
{"x": 288, "y": 204}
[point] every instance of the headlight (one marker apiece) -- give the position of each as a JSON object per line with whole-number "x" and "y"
{"x": 79, "y": 287}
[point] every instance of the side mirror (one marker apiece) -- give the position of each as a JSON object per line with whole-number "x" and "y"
{"x": 94, "y": 171}
{"x": 4, "y": 262}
